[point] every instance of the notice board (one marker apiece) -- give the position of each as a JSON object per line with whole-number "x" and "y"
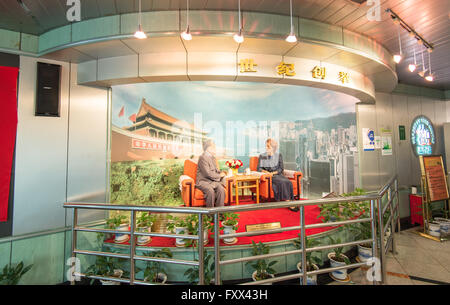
{"x": 432, "y": 168}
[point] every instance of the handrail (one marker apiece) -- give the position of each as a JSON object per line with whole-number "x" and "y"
{"x": 376, "y": 211}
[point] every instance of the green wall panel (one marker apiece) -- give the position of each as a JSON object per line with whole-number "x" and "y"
{"x": 151, "y": 22}
{"x": 46, "y": 253}
{"x": 96, "y": 28}
{"x": 9, "y": 39}
{"x": 57, "y": 37}
{"x": 320, "y": 31}
{"x": 5, "y": 254}
{"x": 30, "y": 43}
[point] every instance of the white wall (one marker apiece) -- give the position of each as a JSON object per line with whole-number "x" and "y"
{"x": 390, "y": 111}
{"x": 57, "y": 157}
{"x": 448, "y": 111}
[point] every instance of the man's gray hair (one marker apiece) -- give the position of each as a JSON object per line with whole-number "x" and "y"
{"x": 207, "y": 143}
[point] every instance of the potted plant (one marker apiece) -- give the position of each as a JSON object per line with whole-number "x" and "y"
{"x": 338, "y": 259}
{"x": 154, "y": 272}
{"x": 119, "y": 222}
{"x": 177, "y": 225}
{"x": 230, "y": 226}
{"x": 312, "y": 262}
{"x": 144, "y": 224}
{"x": 234, "y": 165}
{"x": 263, "y": 269}
{"x": 11, "y": 275}
{"x": 209, "y": 270}
{"x": 193, "y": 227}
{"x": 106, "y": 266}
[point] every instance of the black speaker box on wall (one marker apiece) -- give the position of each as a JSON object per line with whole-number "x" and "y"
{"x": 48, "y": 89}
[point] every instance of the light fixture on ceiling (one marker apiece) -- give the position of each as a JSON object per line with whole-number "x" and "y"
{"x": 430, "y": 76}
{"x": 186, "y": 35}
{"x": 412, "y": 67}
{"x": 239, "y": 37}
{"x": 398, "y": 57}
{"x": 139, "y": 34}
{"x": 422, "y": 73}
{"x": 291, "y": 37}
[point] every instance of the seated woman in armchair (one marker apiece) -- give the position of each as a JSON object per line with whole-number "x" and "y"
{"x": 272, "y": 162}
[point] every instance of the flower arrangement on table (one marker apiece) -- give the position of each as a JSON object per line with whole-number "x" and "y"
{"x": 234, "y": 165}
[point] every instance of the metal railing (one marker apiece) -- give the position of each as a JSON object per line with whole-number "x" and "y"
{"x": 377, "y": 212}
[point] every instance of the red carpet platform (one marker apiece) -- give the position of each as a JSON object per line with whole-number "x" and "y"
{"x": 286, "y": 217}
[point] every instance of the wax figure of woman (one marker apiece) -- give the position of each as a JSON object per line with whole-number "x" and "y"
{"x": 272, "y": 162}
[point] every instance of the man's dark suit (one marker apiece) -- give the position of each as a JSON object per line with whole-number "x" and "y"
{"x": 209, "y": 180}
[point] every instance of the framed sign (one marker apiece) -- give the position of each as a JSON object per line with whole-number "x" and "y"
{"x": 422, "y": 136}
{"x": 432, "y": 168}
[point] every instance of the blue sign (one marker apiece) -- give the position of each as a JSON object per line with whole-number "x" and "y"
{"x": 422, "y": 136}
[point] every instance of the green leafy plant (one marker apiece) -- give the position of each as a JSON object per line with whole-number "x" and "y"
{"x": 338, "y": 255}
{"x": 230, "y": 219}
{"x": 209, "y": 268}
{"x": 11, "y": 275}
{"x": 145, "y": 219}
{"x": 116, "y": 221}
{"x": 310, "y": 259}
{"x": 154, "y": 268}
{"x": 105, "y": 266}
{"x": 262, "y": 267}
{"x": 175, "y": 222}
{"x": 343, "y": 210}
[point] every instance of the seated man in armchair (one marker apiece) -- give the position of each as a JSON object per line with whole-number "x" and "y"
{"x": 210, "y": 180}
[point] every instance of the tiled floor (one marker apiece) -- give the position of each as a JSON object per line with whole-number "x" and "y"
{"x": 416, "y": 257}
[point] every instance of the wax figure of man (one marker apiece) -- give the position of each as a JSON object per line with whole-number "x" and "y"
{"x": 272, "y": 162}
{"x": 210, "y": 180}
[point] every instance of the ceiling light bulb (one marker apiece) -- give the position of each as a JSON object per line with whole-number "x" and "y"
{"x": 429, "y": 77}
{"x": 186, "y": 35}
{"x": 397, "y": 58}
{"x": 429, "y": 50}
{"x": 412, "y": 67}
{"x": 239, "y": 38}
{"x": 422, "y": 73}
{"x": 140, "y": 34}
{"x": 419, "y": 41}
{"x": 291, "y": 38}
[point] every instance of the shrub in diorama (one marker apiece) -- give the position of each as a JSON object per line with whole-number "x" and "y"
{"x": 312, "y": 262}
{"x": 342, "y": 210}
{"x": 144, "y": 223}
{"x": 338, "y": 259}
{"x": 154, "y": 272}
{"x": 11, "y": 274}
{"x": 177, "y": 225}
{"x": 146, "y": 182}
{"x": 262, "y": 268}
{"x": 107, "y": 267}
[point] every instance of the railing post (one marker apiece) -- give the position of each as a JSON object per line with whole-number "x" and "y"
{"x": 74, "y": 241}
{"x": 132, "y": 246}
{"x": 216, "y": 250}
{"x": 374, "y": 237}
{"x": 201, "y": 267}
{"x": 397, "y": 204}
{"x": 303, "y": 238}
{"x": 380, "y": 225}
{"x": 393, "y": 218}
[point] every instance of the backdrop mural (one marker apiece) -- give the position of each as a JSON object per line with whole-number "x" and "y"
{"x": 156, "y": 126}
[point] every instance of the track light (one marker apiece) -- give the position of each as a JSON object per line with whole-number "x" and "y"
{"x": 430, "y": 76}
{"x": 412, "y": 67}
{"x": 398, "y": 57}
{"x": 239, "y": 37}
{"x": 186, "y": 35}
{"x": 422, "y": 73}
{"x": 291, "y": 38}
{"x": 139, "y": 34}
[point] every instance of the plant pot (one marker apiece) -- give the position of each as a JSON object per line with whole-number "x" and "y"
{"x": 364, "y": 253}
{"x": 444, "y": 225}
{"x": 339, "y": 274}
{"x": 120, "y": 238}
{"x": 180, "y": 241}
{"x": 434, "y": 229}
{"x": 205, "y": 237}
{"x": 117, "y": 273}
{"x": 310, "y": 279}
{"x": 142, "y": 240}
{"x": 228, "y": 230}
{"x": 161, "y": 278}
{"x": 254, "y": 277}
